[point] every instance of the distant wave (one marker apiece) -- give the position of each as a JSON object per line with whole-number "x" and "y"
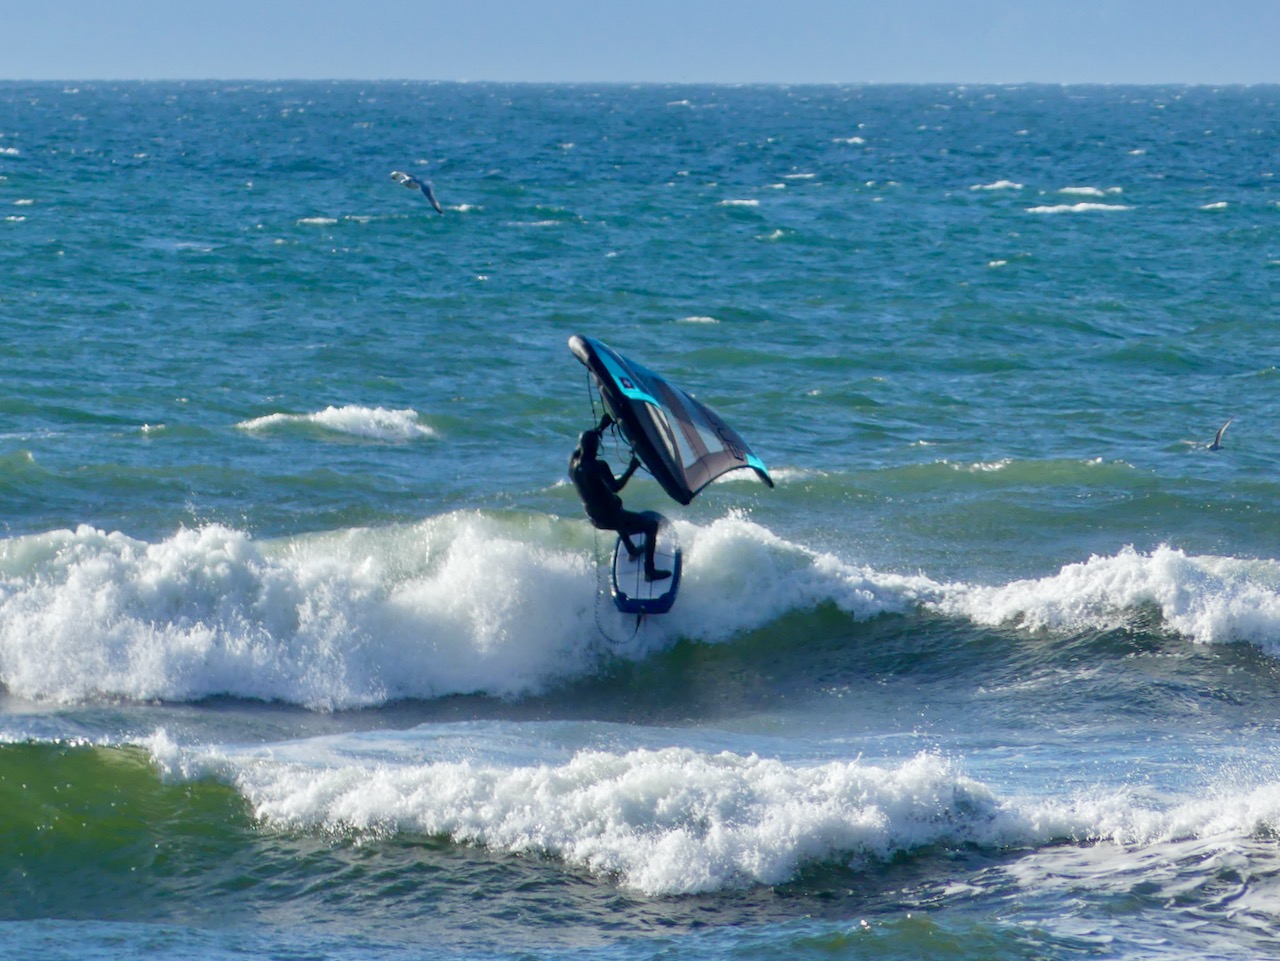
{"x": 1079, "y": 208}
{"x": 501, "y": 605}
{"x": 1090, "y": 191}
{"x": 998, "y": 185}
{"x": 738, "y": 203}
{"x": 372, "y": 422}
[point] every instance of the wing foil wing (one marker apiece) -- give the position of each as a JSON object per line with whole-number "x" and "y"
{"x": 683, "y": 442}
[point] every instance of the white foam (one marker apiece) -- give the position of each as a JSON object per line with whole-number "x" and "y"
{"x": 1219, "y": 205}
{"x": 372, "y": 422}
{"x": 998, "y": 185}
{"x": 505, "y": 605}
{"x": 666, "y": 821}
{"x": 456, "y": 604}
{"x": 981, "y": 467}
{"x": 738, "y": 203}
{"x": 1090, "y": 191}
{"x": 318, "y": 221}
{"x": 1209, "y": 599}
{"x": 698, "y": 320}
{"x": 673, "y": 820}
{"x": 1079, "y": 208}
{"x": 739, "y": 576}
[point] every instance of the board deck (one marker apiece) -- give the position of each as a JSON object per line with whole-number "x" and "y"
{"x": 631, "y": 592}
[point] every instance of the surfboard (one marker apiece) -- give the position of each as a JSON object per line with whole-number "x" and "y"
{"x": 632, "y": 594}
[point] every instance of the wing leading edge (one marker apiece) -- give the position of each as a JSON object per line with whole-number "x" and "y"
{"x": 683, "y": 442}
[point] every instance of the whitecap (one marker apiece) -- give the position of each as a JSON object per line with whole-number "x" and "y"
{"x": 1079, "y": 208}
{"x": 1205, "y": 598}
{"x": 349, "y": 619}
{"x": 1090, "y": 191}
{"x": 665, "y": 821}
{"x": 458, "y": 604}
{"x": 376, "y": 423}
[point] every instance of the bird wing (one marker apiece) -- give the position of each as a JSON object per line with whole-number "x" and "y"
{"x": 431, "y": 196}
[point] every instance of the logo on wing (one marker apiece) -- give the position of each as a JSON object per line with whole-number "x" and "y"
{"x": 730, "y": 442}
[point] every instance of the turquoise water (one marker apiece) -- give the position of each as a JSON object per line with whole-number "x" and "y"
{"x": 304, "y": 649}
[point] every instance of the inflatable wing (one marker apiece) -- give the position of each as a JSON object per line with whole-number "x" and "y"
{"x": 683, "y": 442}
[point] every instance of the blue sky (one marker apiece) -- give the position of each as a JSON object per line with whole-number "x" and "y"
{"x": 727, "y": 41}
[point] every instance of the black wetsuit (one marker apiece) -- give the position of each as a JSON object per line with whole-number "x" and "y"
{"x": 598, "y": 489}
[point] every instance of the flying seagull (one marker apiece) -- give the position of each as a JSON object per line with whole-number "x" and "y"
{"x": 412, "y": 182}
{"x": 1217, "y": 441}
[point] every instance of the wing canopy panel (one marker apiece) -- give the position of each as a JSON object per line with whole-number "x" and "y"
{"x": 683, "y": 442}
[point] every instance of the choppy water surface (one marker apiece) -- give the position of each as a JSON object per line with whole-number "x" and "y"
{"x": 303, "y": 645}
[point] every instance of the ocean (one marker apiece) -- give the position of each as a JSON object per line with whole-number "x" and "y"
{"x": 306, "y": 647}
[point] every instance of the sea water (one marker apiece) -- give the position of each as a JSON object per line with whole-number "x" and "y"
{"x": 305, "y": 645}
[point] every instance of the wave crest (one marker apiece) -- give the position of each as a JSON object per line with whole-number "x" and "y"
{"x": 1209, "y": 599}
{"x": 375, "y": 423}
{"x": 502, "y": 605}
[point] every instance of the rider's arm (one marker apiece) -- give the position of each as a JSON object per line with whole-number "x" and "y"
{"x": 625, "y": 476}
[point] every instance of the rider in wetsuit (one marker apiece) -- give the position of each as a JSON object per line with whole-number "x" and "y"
{"x": 598, "y": 489}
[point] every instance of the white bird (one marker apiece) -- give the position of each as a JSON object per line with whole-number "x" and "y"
{"x": 413, "y": 183}
{"x": 1217, "y": 441}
